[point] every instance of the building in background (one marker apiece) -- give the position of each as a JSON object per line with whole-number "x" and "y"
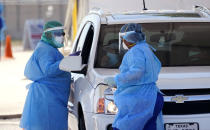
{"x": 16, "y": 12}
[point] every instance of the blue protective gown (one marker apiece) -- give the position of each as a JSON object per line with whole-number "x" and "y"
{"x": 136, "y": 91}
{"x": 46, "y": 103}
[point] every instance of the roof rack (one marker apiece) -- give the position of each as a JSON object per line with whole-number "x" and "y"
{"x": 205, "y": 11}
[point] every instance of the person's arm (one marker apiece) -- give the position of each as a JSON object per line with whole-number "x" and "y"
{"x": 47, "y": 62}
{"x": 136, "y": 63}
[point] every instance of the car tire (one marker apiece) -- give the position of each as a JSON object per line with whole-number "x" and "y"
{"x": 81, "y": 122}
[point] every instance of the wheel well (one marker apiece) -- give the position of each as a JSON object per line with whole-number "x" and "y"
{"x": 80, "y": 112}
{"x": 81, "y": 123}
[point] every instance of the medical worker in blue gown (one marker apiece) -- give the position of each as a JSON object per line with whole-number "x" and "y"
{"x": 46, "y": 103}
{"x": 137, "y": 97}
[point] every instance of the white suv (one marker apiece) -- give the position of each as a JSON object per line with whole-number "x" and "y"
{"x": 182, "y": 43}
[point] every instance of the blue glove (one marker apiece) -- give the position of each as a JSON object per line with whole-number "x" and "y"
{"x": 110, "y": 81}
{"x": 77, "y": 53}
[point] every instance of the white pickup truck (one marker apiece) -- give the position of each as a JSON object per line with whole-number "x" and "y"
{"x": 182, "y": 43}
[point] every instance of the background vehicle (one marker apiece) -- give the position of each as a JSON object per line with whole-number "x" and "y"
{"x": 182, "y": 43}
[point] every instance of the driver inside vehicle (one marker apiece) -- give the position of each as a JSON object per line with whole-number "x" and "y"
{"x": 111, "y": 56}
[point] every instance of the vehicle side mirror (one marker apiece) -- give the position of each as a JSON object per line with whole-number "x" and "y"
{"x": 71, "y": 63}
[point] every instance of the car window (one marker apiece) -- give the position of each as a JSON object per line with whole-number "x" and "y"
{"x": 82, "y": 37}
{"x": 85, "y": 53}
{"x": 85, "y": 42}
{"x": 176, "y": 44}
{"x": 108, "y": 55}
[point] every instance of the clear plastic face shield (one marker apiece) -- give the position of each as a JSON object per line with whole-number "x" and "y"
{"x": 58, "y": 35}
{"x": 54, "y": 28}
{"x": 122, "y": 46}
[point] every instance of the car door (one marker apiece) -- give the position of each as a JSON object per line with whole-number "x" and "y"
{"x": 77, "y": 50}
{"x": 82, "y": 47}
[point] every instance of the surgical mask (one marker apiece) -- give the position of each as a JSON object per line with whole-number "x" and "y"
{"x": 121, "y": 42}
{"x": 59, "y": 41}
{"x": 125, "y": 46}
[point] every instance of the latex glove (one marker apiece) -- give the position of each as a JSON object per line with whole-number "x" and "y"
{"x": 110, "y": 81}
{"x": 75, "y": 53}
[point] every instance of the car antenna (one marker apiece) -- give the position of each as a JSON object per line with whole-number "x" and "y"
{"x": 144, "y": 5}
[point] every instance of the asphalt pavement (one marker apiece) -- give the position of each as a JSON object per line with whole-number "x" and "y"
{"x": 10, "y": 124}
{"x": 12, "y": 88}
{"x": 12, "y": 84}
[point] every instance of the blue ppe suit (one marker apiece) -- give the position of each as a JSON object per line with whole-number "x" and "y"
{"x": 46, "y": 103}
{"x": 136, "y": 91}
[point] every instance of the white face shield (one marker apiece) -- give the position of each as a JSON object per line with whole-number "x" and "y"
{"x": 57, "y": 35}
{"x": 54, "y": 28}
{"x": 122, "y": 46}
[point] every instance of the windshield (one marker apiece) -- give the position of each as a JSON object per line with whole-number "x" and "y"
{"x": 176, "y": 44}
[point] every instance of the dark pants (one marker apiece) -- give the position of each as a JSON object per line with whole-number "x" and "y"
{"x": 151, "y": 123}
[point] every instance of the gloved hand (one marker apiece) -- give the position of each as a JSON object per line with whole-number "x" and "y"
{"x": 110, "y": 81}
{"x": 77, "y": 53}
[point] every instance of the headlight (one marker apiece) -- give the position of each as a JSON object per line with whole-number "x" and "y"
{"x": 110, "y": 107}
{"x": 105, "y": 104}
